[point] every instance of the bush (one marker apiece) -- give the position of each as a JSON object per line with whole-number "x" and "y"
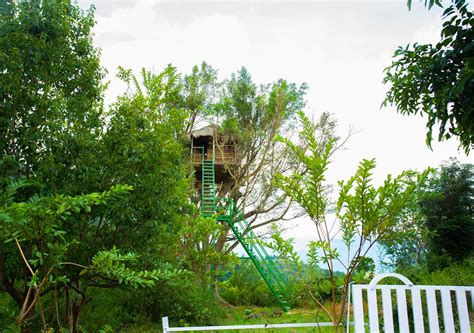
{"x": 183, "y": 300}
{"x": 313, "y": 284}
{"x": 111, "y": 307}
{"x": 243, "y": 285}
{"x": 8, "y": 312}
{"x": 457, "y": 274}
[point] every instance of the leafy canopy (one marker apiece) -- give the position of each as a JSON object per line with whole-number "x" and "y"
{"x": 366, "y": 213}
{"x": 50, "y": 82}
{"x": 449, "y": 212}
{"x": 439, "y": 228}
{"x": 437, "y": 81}
{"x": 74, "y": 233}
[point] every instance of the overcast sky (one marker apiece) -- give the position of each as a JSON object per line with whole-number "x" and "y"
{"x": 339, "y": 48}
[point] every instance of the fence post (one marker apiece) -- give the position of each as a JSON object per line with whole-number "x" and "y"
{"x": 349, "y": 287}
{"x": 166, "y": 324}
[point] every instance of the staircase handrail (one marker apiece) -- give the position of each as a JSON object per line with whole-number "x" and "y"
{"x": 269, "y": 262}
{"x": 265, "y": 258}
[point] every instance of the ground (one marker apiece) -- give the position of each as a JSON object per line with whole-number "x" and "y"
{"x": 258, "y": 315}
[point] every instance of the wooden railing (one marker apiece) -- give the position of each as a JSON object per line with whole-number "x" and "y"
{"x": 226, "y": 154}
{"x": 223, "y": 154}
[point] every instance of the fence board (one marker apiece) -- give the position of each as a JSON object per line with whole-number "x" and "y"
{"x": 462, "y": 311}
{"x": 402, "y": 311}
{"x": 432, "y": 310}
{"x": 417, "y": 310}
{"x": 387, "y": 310}
{"x": 447, "y": 311}
{"x": 373, "y": 312}
{"x": 358, "y": 315}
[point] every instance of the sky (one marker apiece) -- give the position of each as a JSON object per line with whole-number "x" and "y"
{"x": 339, "y": 48}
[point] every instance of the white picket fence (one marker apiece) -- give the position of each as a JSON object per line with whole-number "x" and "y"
{"x": 167, "y": 328}
{"x": 432, "y": 294}
{"x": 453, "y": 321}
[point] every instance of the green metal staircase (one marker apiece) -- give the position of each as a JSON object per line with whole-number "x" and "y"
{"x": 233, "y": 217}
{"x": 261, "y": 259}
{"x": 209, "y": 199}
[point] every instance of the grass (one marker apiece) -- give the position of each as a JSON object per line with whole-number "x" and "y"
{"x": 269, "y": 316}
{"x": 258, "y": 315}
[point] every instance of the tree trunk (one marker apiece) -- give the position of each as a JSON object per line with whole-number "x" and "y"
{"x": 217, "y": 296}
{"x": 26, "y": 324}
{"x": 74, "y": 303}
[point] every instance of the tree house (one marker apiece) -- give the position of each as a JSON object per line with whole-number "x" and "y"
{"x": 210, "y": 145}
{"x": 215, "y": 157}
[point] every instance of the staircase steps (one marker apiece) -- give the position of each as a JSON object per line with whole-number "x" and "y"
{"x": 209, "y": 199}
{"x": 264, "y": 263}
{"x": 234, "y": 218}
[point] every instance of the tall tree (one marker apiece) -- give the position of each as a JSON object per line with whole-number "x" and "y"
{"x": 50, "y": 91}
{"x": 142, "y": 146}
{"x": 437, "y": 81}
{"x": 438, "y": 228}
{"x": 408, "y": 245}
{"x": 56, "y": 134}
{"x": 252, "y": 116}
{"x": 450, "y": 215}
{"x": 366, "y": 213}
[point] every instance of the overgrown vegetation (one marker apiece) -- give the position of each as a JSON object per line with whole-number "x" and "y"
{"x": 439, "y": 227}
{"x": 100, "y": 228}
{"x": 365, "y": 213}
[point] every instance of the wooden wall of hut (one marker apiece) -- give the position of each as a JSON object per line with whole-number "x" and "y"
{"x": 223, "y": 154}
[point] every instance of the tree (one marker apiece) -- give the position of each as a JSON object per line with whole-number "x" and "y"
{"x": 365, "y": 213}
{"x": 449, "y": 215}
{"x": 408, "y": 245}
{"x": 437, "y": 81}
{"x": 439, "y": 227}
{"x": 247, "y": 114}
{"x": 50, "y": 87}
{"x": 56, "y": 135}
{"x": 37, "y": 230}
{"x": 143, "y": 145}
{"x": 252, "y": 115}
{"x": 50, "y": 91}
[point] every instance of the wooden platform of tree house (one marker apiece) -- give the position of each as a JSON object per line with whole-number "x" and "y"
{"x": 223, "y": 155}
{"x": 221, "y": 173}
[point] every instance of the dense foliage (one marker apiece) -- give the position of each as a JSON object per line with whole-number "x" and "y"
{"x": 449, "y": 215}
{"x": 136, "y": 226}
{"x": 50, "y": 85}
{"x": 439, "y": 227}
{"x": 437, "y": 81}
{"x": 58, "y": 244}
{"x": 99, "y": 224}
{"x": 366, "y": 213}
{"x": 251, "y": 115}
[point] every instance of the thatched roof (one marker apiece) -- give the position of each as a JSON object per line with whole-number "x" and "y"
{"x": 208, "y": 131}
